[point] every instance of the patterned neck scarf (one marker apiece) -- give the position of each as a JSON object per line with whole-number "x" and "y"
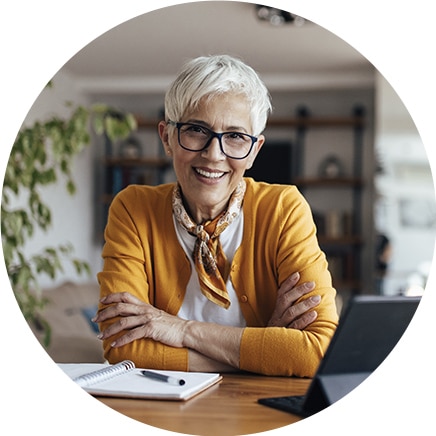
{"x": 209, "y": 258}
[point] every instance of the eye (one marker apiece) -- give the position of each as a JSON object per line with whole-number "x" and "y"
{"x": 236, "y": 137}
{"x": 195, "y": 129}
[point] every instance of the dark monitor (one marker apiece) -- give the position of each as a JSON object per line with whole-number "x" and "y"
{"x": 274, "y": 163}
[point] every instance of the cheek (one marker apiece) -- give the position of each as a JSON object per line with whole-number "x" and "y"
{"x": 239, "y": 167}
{"x": 252, "y": 157}
{"x": 182, "y": 161}
{"x": 249, "y": 163}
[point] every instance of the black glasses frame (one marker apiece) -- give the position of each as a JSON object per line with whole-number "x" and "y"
{"x": 213, "y": 134}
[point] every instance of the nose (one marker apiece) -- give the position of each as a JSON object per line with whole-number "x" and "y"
{"x": 213, "y": 151}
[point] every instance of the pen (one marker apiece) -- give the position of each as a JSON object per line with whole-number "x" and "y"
{"x": 163, "y": 378}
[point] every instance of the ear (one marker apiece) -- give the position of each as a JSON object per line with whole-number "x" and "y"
{"x": 257, "y": 146}
{"x": 164, "y": 136}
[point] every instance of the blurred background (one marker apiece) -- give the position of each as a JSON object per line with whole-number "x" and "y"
{"x": 338, "y": 131}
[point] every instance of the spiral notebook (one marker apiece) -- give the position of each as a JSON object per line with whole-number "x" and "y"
{"x": 125, "y": 380}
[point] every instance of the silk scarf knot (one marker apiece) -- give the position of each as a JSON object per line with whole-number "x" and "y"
{"x": 209, "y": 258}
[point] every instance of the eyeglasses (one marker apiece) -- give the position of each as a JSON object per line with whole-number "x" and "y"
{"x": 193, "y": 137}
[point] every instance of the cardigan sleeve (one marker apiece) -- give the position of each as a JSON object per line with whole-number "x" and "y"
{"x": 126, "y": 254}
{"x": 290, "y": 245}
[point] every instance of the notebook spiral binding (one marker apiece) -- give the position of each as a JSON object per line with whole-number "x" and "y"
{"x": 104, "y": 374}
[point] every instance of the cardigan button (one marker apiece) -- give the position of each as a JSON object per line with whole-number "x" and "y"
{"x": 243, "y": 299}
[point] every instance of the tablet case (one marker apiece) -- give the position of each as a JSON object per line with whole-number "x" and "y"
{"x": 368, "y": 330}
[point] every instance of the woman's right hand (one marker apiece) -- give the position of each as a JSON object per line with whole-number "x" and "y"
{"x": 286, "y": 312}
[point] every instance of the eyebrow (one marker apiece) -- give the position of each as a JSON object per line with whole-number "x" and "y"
{"x": 229, "y": 129}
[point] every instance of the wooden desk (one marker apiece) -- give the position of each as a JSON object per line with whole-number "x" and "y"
{"x": 228, "y": 408}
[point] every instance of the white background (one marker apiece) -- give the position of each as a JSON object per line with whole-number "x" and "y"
{"x": 38, "y": 37}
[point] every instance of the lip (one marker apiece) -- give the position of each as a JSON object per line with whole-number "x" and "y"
{"x": 208, "y": 175}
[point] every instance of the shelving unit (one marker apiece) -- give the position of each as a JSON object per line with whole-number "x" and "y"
{"x": 339, "y": 231}
{"x": 120, "y": 171}
{"x": 344, "y": 244}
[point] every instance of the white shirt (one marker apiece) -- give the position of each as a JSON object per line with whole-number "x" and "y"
{"x": 195, "y": 305}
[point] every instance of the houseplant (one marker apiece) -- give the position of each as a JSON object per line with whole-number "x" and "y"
{"x": 42, "y": 154}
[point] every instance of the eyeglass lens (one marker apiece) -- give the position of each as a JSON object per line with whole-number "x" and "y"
{"x": 234, "y": 144}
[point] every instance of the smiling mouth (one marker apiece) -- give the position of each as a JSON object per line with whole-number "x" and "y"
{"x": 209, "y": 174}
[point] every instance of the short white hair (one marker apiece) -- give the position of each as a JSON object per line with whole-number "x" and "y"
{"x": 208, "y": 76}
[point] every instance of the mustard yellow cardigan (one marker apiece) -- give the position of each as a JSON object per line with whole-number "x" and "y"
{"x": 143, "y": 256}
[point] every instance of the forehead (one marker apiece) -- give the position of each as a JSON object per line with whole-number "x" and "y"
{"x": 224, "y": 109}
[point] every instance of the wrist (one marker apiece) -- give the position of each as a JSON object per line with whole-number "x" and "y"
{"x": 188, "y": 334}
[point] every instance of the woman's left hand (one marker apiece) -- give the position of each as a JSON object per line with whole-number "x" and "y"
{"x": 290, "y": 314}
{"x": 138, "y": 320}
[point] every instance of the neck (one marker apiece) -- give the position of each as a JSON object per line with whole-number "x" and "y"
{"x": 201, "y": 214}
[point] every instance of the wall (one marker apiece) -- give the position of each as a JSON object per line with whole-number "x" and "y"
{"x": 406, "y": 209}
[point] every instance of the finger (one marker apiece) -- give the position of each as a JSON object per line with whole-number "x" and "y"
{"x": 304, "y": 321}
{"x": 120, "y": 297}
{"x": 289, "y": 283}
{"x": 119, "y": 309}
{"x": 129, "y": 323}
{"x": 130, "y": 336}
{"x": 295, "y": 311}
{"x": 291, "y": 296}
{"x": 299, "y": 291}
{"x": 286, "y": 300}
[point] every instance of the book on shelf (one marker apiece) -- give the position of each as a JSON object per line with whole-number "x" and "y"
{"x": 334, "y": 224}
{"x": 125, "y": 380}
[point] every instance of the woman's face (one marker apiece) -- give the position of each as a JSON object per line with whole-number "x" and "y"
{"x": 208, "y": 178}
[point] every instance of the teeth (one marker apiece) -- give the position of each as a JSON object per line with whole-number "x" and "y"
{"x": 208, "y": 174}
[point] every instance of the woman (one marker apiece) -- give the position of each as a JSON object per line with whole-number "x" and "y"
{"x": 216, "y": 272}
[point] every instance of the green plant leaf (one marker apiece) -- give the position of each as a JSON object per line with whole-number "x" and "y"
{"x": 42, "y": 153}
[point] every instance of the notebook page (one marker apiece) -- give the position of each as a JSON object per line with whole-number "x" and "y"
{"x": 134, "y": 385}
